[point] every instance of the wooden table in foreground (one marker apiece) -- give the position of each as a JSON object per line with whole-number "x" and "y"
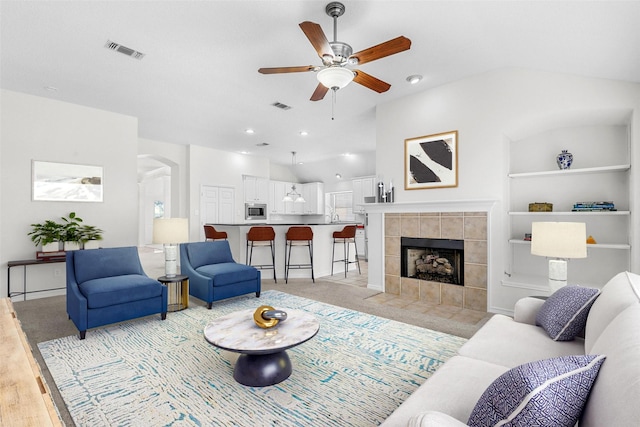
{"x": 25, "y": 399}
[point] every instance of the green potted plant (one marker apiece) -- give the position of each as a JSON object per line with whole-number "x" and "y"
{"x": 47, "y": 235}
{"x": 89, "y": 236}
{"x": 71, "y": 235}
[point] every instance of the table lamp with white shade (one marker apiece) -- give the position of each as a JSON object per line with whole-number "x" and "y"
{"x": 559, "y": 241}
{"x": 170, "y": 232}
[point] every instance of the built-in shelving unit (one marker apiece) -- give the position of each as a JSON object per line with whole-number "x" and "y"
{"x": 600, "y": 172}
{"x": 583, "y": 171}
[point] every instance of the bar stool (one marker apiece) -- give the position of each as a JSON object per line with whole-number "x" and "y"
{"x": 346, "y": 236}
{"x": 262, "y": 236}
{"x": 210, "y": 233}
{"x": 298, "y": 236}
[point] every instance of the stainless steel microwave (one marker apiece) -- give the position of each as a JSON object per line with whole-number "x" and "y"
{"x": 254, "y": 211}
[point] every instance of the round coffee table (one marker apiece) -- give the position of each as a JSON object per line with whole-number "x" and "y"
{"x": 263, "y": 360}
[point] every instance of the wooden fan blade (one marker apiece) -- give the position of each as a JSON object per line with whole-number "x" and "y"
{"x": 399, "y": 44}
{"x": 279, "y": 70}
{"x": 317, "y": 38}
{"x": 319, "y": 93}
{"x": 371, "y": 82}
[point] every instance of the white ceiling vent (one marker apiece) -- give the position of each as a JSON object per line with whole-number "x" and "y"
{"x": 281, "y": 106}
{"x": 123, "y": 49}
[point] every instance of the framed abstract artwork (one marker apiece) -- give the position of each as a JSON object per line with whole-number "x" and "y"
{"x": 431, "y": 161}
{"x": 66, "y": 182}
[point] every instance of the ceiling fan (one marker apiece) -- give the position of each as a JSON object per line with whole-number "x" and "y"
{"x": 337, "y": 57}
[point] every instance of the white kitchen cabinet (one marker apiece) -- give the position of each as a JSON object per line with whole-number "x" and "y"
{"x": 600, "y": 172}
{"x": 277, "y": 191}
{"x": 256, "y": 189}
{"x": 362, "y": 187}
{"x": 313, "y": 194}
{"x": 361, "y": 243}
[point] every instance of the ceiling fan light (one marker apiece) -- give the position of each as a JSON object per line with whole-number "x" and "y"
{"x": 335, "y": 77}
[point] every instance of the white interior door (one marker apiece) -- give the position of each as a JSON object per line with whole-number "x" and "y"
{"x": 226, "y": 205}
{"x": 216, "y": 206}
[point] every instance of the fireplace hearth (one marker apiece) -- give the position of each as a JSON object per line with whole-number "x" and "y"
{"x": 436, "y": 260}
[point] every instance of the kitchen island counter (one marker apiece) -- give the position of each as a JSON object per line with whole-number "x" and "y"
{"x": 322, "y": 248}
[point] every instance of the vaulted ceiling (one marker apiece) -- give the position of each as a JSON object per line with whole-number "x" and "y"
{"x": 198, "y": 81}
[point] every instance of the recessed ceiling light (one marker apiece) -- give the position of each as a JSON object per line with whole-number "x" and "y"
{"x": 244, "y": 152}
{"x": 249, "y": 131}
{"x": 304, "y": 133}
{"x": 338, "y": 176}
{"x": 414, "y": 79}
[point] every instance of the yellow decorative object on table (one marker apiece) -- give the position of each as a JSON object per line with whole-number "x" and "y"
{"x": 266, "y": 316}
{"x": 591, "y": 240}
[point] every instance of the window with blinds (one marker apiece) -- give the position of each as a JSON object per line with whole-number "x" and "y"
{"x": 341, "y": 206}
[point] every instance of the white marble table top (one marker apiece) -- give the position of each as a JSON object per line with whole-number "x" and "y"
{"x": 238, "y": 332}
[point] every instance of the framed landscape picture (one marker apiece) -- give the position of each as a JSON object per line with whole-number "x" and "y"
{"x": 431, "y": 161}
{"x": 66, "y": 182}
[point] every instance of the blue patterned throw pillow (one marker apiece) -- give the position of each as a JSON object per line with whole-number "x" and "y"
{"x": 549, "y": 393}
{"x": 564, "y": 314}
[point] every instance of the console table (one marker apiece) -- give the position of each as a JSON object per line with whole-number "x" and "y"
{"x": 24, "y": 264}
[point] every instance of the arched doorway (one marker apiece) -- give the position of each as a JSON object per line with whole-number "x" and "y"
{"x": 158, "y": 193}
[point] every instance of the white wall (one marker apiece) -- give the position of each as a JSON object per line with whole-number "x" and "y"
{"x": 486, "y": 110}
{"x": 350, "y": 166}
{"x": 282, "y": 173}
{"x": 175, "y": 156}
{"x": 48, "y": 130}
{"x": 172, "y": 189}
{"x": 208, "y": 166}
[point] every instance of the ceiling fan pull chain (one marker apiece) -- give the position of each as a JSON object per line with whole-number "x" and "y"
{"x": 333, "y": 103}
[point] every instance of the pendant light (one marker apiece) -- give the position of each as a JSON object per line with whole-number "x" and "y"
{"x": 293, "y": 195}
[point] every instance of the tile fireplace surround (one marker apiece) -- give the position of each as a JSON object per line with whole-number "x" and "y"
{"x": 468, "y": 226}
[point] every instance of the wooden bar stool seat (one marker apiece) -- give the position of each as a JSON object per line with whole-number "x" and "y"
{"x": 262, "y": 236}
{"x": 346, "y": 236}
{"x": 298, "y": 236}
{"x": 210, "y": 233}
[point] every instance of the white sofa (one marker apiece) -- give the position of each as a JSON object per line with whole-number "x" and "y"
{"x": 612, "y": 329}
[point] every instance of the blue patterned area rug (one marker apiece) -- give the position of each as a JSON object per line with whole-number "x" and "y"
{"x": 147, "y": 372}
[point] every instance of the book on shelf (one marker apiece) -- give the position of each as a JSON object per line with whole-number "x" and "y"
{"x": 593, "y": 206}
{"x": 51, "y": 255}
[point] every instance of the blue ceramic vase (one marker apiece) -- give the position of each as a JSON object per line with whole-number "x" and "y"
{"x": 564, "y": 159}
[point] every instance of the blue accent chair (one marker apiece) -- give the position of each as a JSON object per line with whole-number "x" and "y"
{"x": 109, "y": 285}
{"x": 213, "y": 274}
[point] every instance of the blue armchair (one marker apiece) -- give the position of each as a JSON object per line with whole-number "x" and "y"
{"x": 213, "y": 274}
{"x": 109, "y": 285}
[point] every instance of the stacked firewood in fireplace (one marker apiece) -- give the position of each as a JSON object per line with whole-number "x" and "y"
{"x": 432, "y": 264}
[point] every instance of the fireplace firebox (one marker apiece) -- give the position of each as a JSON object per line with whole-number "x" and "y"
{"x": 436, "y": 260}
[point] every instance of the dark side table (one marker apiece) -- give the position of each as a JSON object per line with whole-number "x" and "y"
{"x": 177, "y": 290}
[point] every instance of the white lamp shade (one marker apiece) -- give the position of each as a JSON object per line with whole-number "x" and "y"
{"x": 559, "y": 239}
{"x": 170, "y": 230}
{"x": 335, "y": 77}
